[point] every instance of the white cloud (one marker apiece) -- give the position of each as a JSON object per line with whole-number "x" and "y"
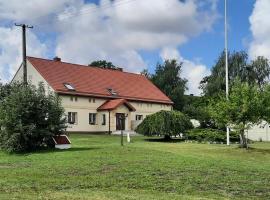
{"x": 194, "y": 72}
{"x": 118, "y": 28}
{"x": 260, "y": 28}
{"x": 11, "y": 50}
{"x": 113, "y": 30}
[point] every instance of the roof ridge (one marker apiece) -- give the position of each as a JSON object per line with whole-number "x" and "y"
{"x": 81, "y": 65}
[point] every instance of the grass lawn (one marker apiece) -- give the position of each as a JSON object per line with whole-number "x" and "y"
{"x": 97, "y": 167}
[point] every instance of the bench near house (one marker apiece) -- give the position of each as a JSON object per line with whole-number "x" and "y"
{"x": 95, "y": 99}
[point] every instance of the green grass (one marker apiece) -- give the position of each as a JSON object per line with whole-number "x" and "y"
{"x": 97, "y": 167}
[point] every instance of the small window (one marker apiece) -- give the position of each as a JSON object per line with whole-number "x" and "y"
{"x": 76, "y": 99}
{"x": 112, "y": 91}
{"x": 90, "y": 100}
{"x": 69, "y": 86}
{"x": 139, "y": 117}
{"x": 71, "y": 98}
{"x": 94, "y": 100}
{"x": 92, "y": 118}
{"x": 72, "y": 117}
{"x": 103, "y": 119}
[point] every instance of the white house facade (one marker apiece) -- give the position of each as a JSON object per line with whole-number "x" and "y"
{"x": 96, "y": 100}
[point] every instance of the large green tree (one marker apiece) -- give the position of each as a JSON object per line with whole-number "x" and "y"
{"x": 247, "y": 105}
{"x": 165, "y": 123}
{"x": 167, "y": 78}
{"x": 28, "y": 117}
{"x": 254, "y": 72}
{"x": 104, "y": 64}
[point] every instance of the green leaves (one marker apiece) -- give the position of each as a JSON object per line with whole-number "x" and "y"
{"x": 28, "y": 117}
{"x": 170, "y": 123}
{"x": 167, "y": 78}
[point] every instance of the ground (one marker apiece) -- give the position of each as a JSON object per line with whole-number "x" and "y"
{"x": 97, "y": 167}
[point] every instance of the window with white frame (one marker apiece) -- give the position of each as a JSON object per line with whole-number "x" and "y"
{"x": 92, "y": 118}
{"x": 139, "y": 117}
{"x": 72, "y": 117}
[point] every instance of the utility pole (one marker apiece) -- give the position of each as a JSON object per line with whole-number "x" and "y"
{"x": 226, "y": 64}
{"x": 24, "y": 26}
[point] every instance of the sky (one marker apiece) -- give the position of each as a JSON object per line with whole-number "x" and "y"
{"x": 134, "y": 34}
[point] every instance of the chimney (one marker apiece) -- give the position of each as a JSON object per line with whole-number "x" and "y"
{"x": 57, "y": 59}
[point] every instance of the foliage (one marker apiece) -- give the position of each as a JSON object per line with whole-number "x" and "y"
{"x": 211, "y": 135}
{"x": 167, "y": 78}
{"x": 247, "y": 105}
{"x": 255, "y": 72}
{"x": 196, "y": 108}
{"x": 165, "y": 123}
{"x": 28, "y": 117}
{"x": 104, "y": 64}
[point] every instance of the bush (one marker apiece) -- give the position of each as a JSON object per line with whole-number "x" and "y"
{"x": 28, "y": 118}
{"x": 165, "y": 123}
{"x": 211, "y": 135}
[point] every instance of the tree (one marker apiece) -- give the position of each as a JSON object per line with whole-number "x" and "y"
{"x": 28, "y": 118}
{"x": 104, "y": 64}
{"x": 167, "y": 78}
{"x": 146, "y": 73}
{"x": 165, "y": 123}
{"x": 256, "y": 72}
{"x": 247, "y": 106}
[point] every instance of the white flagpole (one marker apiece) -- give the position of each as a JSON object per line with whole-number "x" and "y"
{"x": 226, "y": 65}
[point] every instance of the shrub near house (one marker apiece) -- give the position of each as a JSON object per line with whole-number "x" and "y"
{"x": 165, "y": 123}
{"x": 28, "y": 118}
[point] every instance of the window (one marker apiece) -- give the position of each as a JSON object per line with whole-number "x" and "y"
{"x": 76, "y": 99}
{"x": 139, "y": 117}
{"x": 103, "y": 119}
{"x": 92, "y": 100}
{"x": 72, "y": 117}
{"x": 71, "y": 98}
{"x": 69, "y": 86}
{"x": 112, "y": 91}
{"x": 92, "y": 118}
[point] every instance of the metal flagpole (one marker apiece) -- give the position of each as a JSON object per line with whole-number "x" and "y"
{"x": 226, "y": 64}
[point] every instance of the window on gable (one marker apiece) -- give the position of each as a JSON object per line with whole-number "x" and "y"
{"x": 69, "y": 86}
{"x": 92, "y": 118}
{"x": 72, "y": 117}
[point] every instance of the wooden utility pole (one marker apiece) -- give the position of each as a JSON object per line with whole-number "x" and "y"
{"x": 24, "y": 26}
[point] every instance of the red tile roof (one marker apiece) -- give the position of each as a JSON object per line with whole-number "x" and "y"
{"x": 93, "y": 81}
{"x": 112, "y": 104}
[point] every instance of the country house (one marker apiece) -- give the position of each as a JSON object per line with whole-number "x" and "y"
{"x": 95, "y": 99}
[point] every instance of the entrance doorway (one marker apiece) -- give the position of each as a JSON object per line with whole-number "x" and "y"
{"x": 120, "y": 121}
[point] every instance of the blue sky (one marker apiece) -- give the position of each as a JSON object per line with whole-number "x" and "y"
{"x": 134, "y": 34}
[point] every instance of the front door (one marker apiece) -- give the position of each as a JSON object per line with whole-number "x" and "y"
{"x": 120, "y": 121}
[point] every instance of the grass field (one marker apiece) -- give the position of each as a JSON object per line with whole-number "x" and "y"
{"x": 97, "y": 167}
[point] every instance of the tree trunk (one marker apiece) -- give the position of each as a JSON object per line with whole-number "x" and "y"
{"x": 243, "y": 139}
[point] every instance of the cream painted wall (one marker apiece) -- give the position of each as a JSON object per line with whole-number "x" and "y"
{"x": 83, "y": 106}
{"x": 33, "y": 77}
{"x": 259, "y": 132}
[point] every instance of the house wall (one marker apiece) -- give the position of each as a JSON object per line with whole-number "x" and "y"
{"x": 33, "y": 77}
{"x": 83, "y": 107}
{"x": 259, "y": 132}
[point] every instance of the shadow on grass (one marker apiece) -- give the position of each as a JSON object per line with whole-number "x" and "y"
{"x": 72, "y": 149}
{"x": 257, "y": 150}
{"x": 165, "y": 140}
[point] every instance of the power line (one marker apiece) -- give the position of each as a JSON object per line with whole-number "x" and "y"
{"x": 82, "y": 12}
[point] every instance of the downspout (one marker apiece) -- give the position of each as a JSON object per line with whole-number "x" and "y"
{"x": 109, "y": 122}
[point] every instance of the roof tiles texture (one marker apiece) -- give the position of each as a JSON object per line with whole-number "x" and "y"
{"x": 113, "y": 104}
{"x": 93, "y": 81}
